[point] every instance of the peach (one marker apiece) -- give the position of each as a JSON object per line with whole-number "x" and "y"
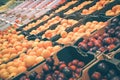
{"x": 39, "y": 59}
{"x": 21, "y": 69}
{"x": 29, "y": 61}
{"x": 46, "y": 54}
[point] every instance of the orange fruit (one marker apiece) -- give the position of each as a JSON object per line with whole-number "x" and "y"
{"x": 46, "y": 54}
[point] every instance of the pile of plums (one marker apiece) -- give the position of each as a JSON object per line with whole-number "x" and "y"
{"x": 103, "y": 42}
{"x": 105, "y": 72}
{"x": 62, "y": 71}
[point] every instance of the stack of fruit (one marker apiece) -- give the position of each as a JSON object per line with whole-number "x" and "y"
{"x": 99, "y": 5}
{"x": 103, "y": 41}
{"x": 82, "y": 30}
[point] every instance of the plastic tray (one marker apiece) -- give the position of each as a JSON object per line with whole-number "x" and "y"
{"x": 110, "y": 64}
{"x": 67, "y": 54}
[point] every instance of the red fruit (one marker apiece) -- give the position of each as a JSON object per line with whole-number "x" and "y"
{"x": 75, "y": 62}
{"x": 70, "y": 63}
{"x": 98, "y": 43}
{"x": 102, "y": 49}
{"x": 85, "y": 40}
{"x": 78, "y": 70}
{"x": 111, "y": 46}
{"x": 73, "y": 67}
{"x": 62, "y": 66}
{"x": 92, "y": 39}
{"x": 96, "y": 76}
{"x": 90, "y": 44}
{"x": 107, "y": 40}
{"x": 81, "y": 64}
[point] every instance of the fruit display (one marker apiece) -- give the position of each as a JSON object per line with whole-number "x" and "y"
{"x": 65, "y": 69}
{"x": 31, "y": 25}
{"x": 58, "y": 40}
{"x": 34, "y": 55}
{"x": 104, "y": 41}
{"x": 65, "y": 6}
{"x": 60, "y": 28}
{"x": 50, "y": 22}
{"x": 82, "y": 30}
{"x": 114, "y": 11}
{"x": 78, "y": 7}
{"x": 99, "y": 5}
{"x": 104, "y": 70}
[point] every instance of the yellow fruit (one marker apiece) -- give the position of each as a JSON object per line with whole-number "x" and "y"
{"x": 21, "y": 69}
{"x": 39, "y": 59}
{"x": 29, "y": 61}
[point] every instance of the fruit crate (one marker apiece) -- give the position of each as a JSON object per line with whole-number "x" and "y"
{"x": 102, "y": 34}
{"x": 63, "y": 57}
{"x": 18, "y": 57}
{"x": 47, "y": 13}
{"x": 54, "y": 17}
{"x": 108, "y": 7}
{"x": 69, "y": 20}
{"x": 104, "y": 69}
{"x": 69, "y": 30}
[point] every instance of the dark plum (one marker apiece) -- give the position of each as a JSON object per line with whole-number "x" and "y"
{"x": 117, "y": 28}
{"x": 78, "y": 70}
{"x": 67, "y": 72}
{"x": 81, "y": 64}
{"x": 111, "y": 32}
{"x": 112, "y": 25}
{"x": 75, "y": 62}
{"x": 111, "y": 73}
{"x": 107, "y": 40}
{"x": 50, "y": 61}
{"x": 90, "y": 44}
{"x": 63, "y": 65}
{"x": 103, "y": 68}
{"x": 33, "y": 75}
{"x": 105, "y": 35}
{"x": 84, "y": 47}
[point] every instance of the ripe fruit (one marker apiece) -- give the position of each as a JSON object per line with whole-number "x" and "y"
{"x": 96, "y": 76}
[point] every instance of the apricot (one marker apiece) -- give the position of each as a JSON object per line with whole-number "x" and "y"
{"x": 29, "y": 61}
{"x": 21, "y": 69}
{"x": 39, "y": 59}
{"x": 46, "y": 54}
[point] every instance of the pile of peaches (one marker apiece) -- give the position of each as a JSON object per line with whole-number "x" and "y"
{"x": 37, "y": 52}
{"x": 65, "y": 6}
{"x": 50, "y": 22}
{"x": 70, "y": 11}
{"x": 114, "y": 11}
{"x": 65, "y": 23}
{"x": 33, "y": 24}
{"x": 99, "y": 5}
{"x": 26, "y": 53}
{"x": 82, "y": 30}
